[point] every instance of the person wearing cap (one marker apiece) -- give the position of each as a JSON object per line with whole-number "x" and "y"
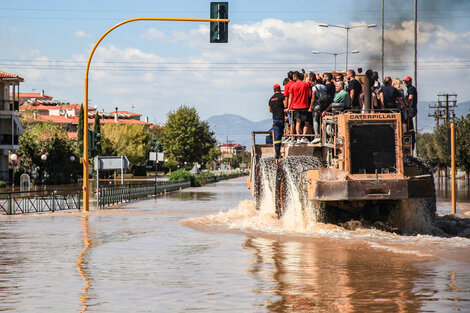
{"x": 276, "y": 107}
{"x": 411, "y": 101}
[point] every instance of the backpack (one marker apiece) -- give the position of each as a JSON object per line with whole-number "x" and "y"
{"x": 323, "y": 98}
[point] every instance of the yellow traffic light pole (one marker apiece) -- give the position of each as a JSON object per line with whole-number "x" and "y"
{"x": 86, "y": 189}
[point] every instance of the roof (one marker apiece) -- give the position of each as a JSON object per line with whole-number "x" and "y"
{"x": 8, "y": 76}
{"x": 40, "y": 107}
{"x": 34, "y": 95}
{"x": 232, "y": 145}
{"x": 27, "y": 107}
{"x": 61, "y": 119}
{"x": 126, "y": 112}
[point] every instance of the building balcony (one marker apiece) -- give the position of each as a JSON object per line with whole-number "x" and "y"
{"x": 8, "y": 140}
{"x": 9, "y": 105}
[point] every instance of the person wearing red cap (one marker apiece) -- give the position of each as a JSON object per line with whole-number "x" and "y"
{"x": 276, "y": 107}
{"x": 412, "y": 102}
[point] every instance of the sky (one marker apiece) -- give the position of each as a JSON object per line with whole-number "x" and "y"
{"x": 154, "y": 67}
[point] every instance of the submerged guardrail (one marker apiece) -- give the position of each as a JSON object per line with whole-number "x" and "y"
{"x": 19, "y": 202}
{"x": 37, "y": 201}
{"x": 111, "y": 195}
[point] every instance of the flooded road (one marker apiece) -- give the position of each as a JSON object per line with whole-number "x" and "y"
{"x": 208, "y": 250}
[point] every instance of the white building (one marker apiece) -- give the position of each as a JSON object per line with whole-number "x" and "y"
{"x": 10, "y": 126}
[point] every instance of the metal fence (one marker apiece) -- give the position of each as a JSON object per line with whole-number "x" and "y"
{"x": 19, "y": 202}
{"x": 111, "y": 195}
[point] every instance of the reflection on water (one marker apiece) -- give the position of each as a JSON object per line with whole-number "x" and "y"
{"x": 444, "y": 190}
{"x": 82, "y": 263}
{"x": 317, "y": 276}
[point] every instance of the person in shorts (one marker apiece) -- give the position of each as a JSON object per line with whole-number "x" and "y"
{"x": 298, "y": 102}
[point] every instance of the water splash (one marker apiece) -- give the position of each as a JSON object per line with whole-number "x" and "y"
{"x": 299, "y": 212}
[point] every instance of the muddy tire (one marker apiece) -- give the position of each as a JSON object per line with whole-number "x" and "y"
{"x": 429, "y": 204}
{"x": 292, "y": 167}
{"x": 415, "y": 215}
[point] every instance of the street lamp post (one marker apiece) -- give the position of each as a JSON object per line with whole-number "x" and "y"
{"x": 347, "y": 28}
{"x": 43, "y": 158}
{"x": 335, "y": 54}
{"x": 13, "y": 158}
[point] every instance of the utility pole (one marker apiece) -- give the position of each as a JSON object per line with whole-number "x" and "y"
{"x": 444, "y": 108}
{"x": 415, "y": 119}
{"x": 383, "y": 39}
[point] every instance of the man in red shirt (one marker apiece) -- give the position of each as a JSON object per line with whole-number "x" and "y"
{"x": 298, "y": 101}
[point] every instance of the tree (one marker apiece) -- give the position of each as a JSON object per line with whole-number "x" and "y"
{"x": 130, "y": 140}
{"x": 50, "y": 139}
{"x": 81, "y": 123}
{"x": 185, "y": 137}
{"x": 462, "y": 146}
{"x": 427, "y": 148}
{"x": 97, "y": 130}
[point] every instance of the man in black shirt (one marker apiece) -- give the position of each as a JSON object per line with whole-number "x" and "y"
{"x": 411, "y": 100}
{"x": 276, "y": 107}
{"x": 354, "y": 89}
{"x": 389, "y": 95}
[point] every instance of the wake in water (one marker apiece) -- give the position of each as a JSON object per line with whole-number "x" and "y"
{"x": 282, "y": 207}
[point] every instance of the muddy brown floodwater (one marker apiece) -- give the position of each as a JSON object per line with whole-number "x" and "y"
{"x": 208, "y": 250}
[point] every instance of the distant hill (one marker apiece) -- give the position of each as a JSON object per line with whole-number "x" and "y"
{"x": 237, "y": 128}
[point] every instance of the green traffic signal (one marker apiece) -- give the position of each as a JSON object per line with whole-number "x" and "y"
{"x": 219, "y": 30}
{"x": 94, "y": 143}
{"x": 97, "y": 141}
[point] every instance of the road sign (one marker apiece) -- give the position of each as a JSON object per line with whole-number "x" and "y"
{"x": 160, "y": 157}
{"x": 152, "y": 156}
{"x": 111, "y": 163}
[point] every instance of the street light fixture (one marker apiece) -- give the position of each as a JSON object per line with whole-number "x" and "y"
{"x": 13, "y": 158}
{"x": 44, "y": 158}
{"x": 335, "y": 54}
{"x": 347, "y": 28}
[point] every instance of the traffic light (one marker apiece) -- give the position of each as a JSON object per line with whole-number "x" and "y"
{"x": 94, "y": 144}
{"x": 97, "y": 144}
{"x": 91, "y": 143}
{"x": 219, "y": 30}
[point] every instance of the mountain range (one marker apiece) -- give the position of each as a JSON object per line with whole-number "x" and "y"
{"x": 237, "y": 129}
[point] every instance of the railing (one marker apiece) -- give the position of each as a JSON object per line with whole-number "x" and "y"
{"x": 19, "y": 202}
{"x": 111, "y": 195}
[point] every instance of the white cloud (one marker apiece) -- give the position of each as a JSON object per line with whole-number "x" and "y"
{"x": 155, "y": 34}
{"x": 257, "y": 55}
{"x": 81, "y": 34}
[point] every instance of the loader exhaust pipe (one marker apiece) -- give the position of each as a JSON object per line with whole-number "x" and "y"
{"x": 368, "y": 82}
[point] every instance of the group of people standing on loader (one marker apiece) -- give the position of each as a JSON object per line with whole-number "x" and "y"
{"x": 308, "y": 96}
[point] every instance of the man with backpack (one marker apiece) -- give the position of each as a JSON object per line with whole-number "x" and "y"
{"x": 321, "y": 99}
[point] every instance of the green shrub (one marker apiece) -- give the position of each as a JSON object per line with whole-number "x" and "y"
{"x": 2, "y": 184}
{"x": 203, "y": 177}
{"x": 182, "y": 174}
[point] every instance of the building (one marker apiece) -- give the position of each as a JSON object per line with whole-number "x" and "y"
{"x": 33, "y": 110}
{"x": 231, "y": 148}
{"x": 10, "y": 126}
